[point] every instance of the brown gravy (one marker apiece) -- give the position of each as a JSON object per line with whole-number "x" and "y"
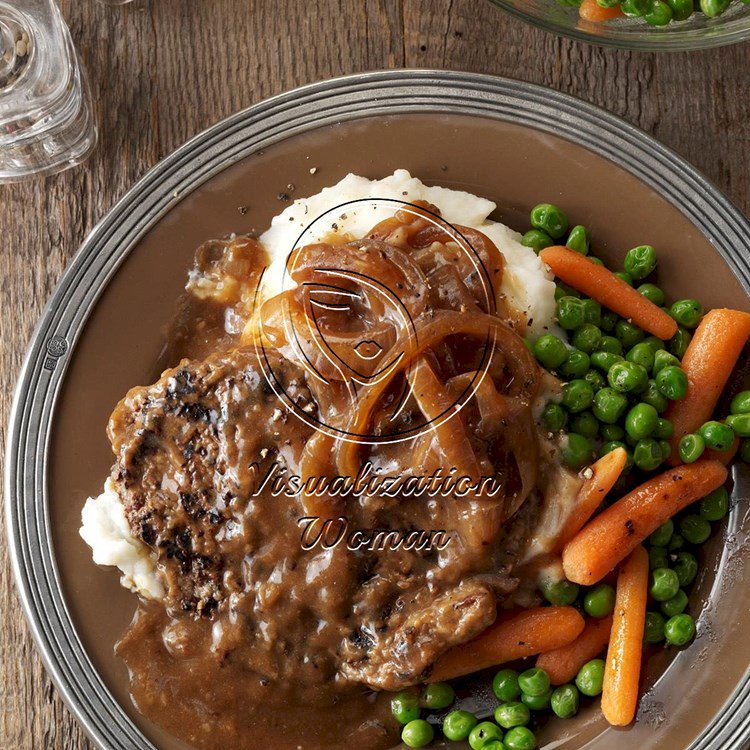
{"x": 261, "y": 640}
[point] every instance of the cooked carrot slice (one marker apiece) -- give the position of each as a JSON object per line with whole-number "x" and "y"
{"x": 612, "y": 535}
{"x": 590, "y": 10}
{"x": 622, "y": 668}
{"x": 605, "y": 472}
{"x": 708, "y": 362}
{"x": 602, "y": 285}
{"x": 563, "y": 664}
{"x": 513, "y": 636}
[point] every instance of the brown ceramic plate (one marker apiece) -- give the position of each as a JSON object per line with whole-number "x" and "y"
{"x": 103, "y": 331}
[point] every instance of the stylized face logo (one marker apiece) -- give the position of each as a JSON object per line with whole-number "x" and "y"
{"x": 354, "y": 331}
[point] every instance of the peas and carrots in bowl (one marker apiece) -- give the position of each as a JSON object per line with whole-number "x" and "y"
{"x": 641, "y": 379}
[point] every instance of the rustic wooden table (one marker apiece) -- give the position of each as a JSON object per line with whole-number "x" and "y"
{"x": 163, "y": 70}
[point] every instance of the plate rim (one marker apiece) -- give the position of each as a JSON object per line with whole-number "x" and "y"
{"x": 206, "y": 154}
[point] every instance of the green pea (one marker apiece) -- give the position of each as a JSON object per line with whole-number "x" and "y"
{"x": 553, "y": 417}
{"x": 609, "y": 344}
{"x": 505, "y": 685}
{"x": 586, "y": 424}
{"x": 537, "y": 240}
{"x": 672, "y": 382}
{"x": 627, "y": 377}
{"x": 591, "y": 677}
{"x": 641, "y": 421}
{"x": 608, "y": 321}
{"x": 497, "y": 744}
{"x": 537, "y": 702}
{"x": 664, "y": 359}
{"x": 595, "y": 379}
{"x": 578, "y": 240}
{"x": 559, "y": 593}
{"x": 715, "y": 505}
{"x": 535, "y": 681}
{"x": 571, "y": 313}
{"x": 664, "y": 429}
{"x": 691, "y": 447}
{"x": 624, "y": 276}
{"x": 604, "y": 360}
{"x": 664, "y": 584}
{"x": 576, "y": 365}
{"x": 716, "y": 435}
{"x": 666, "y": 449}
{"x": 628, "y": 334}
{"x": 596, "y": 261}
{"x": 607, "y": 3}
{"x": 660, "y": 14}
{"x": 483, "y": 733}
{"x": 652, "y": 293}
{"x": 457, "y": 725}
{"x": 687, "y": 312}
{"x": 609, "y": 405}
{"x": 550, "y": 351}
{"x": 512, "y": 714}
{"x": 640, "y": 261}
{"x": 654, "y": 630}
{"x": 679, "y": 342}
{"x": 612, "y": 432}
{"x": 550, "y": 219}
{"x": 592, "y": 311}
{"x": 565, "y": 701}
{"x": 599, "y": 601}
{"x": 740, "y": 403}
{"x": 695, "y": 529}
{"x": 662, "y": 535}
{"x": 686, "y": 568}
{"x": 577, "y": 395}
{"x": 520, "y": 738}
{"x": 417, "y": 733}
{"x": 405, "y": 706}
{"x": 635, "y": 8}
{"x": 657, "y": 558}
{"x": 679, "y": 630}
{"x": 647, "y": 454}
{"x": 586, "y": 338}
{"x": 681, "y": 9}
{"x": 577, "y": 452}
{"x": 654, "y": 397}
{"x": 676, "y": 605}
{"x": 740, "y": 424}
{"x": 437, "y": 696}
{"x": 676, "y": 543}
{"x": 714, "y": 8}
{"x": 745, "y": 451}
{"x": 642, "y": 354}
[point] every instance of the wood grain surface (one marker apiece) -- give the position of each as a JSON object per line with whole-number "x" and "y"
{"x": 163, "y": 70}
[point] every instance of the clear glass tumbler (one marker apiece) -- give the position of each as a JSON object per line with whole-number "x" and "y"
{"x": 46, "y": 120}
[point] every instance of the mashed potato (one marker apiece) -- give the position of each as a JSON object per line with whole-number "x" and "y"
{"x": 527, "y": 285}
{"x": 105, "y": 529}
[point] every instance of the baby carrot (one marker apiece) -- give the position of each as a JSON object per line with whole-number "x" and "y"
{"x": 594, "y": 489}
{"x": 708, "y": 361}
{"x": 613, "y": 534}
{"x": 622, "y": 668}
{"x": 590, "y": 10}
{"x": 563, "y": 664}
{"x": 602, "y": 285}
{"x": 513, "y": 636}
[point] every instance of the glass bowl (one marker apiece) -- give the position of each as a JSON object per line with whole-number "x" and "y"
{"x": 698, "y": 32}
